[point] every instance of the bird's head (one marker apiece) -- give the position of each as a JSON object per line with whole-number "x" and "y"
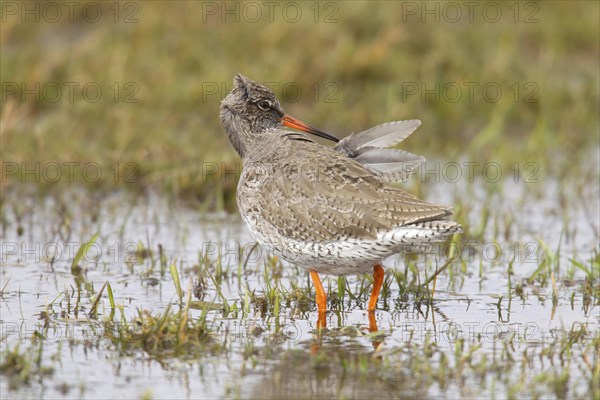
{"x": 251, "y": 115}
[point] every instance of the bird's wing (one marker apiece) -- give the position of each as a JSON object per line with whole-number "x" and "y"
{"x": 368, "y": 148}
{"x": 391, "y": 165}
{"x": 332, "y": 197}
{"x": 384, "y": 135}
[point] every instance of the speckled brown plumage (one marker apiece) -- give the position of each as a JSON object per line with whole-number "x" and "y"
{"x": 330, "y": 210}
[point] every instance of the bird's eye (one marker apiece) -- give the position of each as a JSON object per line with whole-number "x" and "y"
{"x": 264, "y": 105}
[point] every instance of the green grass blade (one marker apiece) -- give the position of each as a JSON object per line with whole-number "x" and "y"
{"x": 111, "y": 298}
{"x": 82, "y": 252}
{"x": 176, "y": 281}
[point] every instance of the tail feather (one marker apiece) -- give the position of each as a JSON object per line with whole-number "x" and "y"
{"x": 441, "y": 227}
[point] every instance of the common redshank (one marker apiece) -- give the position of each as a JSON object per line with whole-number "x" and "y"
{"x": 328, "y": 210}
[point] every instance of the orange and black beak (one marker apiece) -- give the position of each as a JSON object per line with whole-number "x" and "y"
{"x": 294, "y": 123}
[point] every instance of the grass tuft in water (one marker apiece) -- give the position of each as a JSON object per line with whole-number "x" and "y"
{"x": 163, "y": 336}
{"x": 21, "y": 367}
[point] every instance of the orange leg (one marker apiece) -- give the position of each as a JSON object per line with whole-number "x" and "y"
{"x": 377, "y": 282}
{"x": 373, "y": 328}
{"x": 321, "y": 296}
{"x": 322, "y": 320}
{"x": 321, "y": 299}
{"x": 372, "y": 322}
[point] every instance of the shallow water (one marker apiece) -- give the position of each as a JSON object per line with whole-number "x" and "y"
{"x": 479, "y": 309}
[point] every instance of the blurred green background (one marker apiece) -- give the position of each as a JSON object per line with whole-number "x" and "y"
{"x": 163, "y": 67}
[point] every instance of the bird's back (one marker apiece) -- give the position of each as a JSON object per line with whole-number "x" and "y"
{"x": 299, "y": 190}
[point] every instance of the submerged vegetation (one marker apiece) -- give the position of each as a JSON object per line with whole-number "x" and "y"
{"x": 521, "y": 326}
